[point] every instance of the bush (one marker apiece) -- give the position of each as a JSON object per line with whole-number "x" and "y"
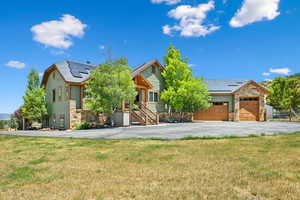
{"x": 83, "y": 126}
{"x": 4, "y": 124}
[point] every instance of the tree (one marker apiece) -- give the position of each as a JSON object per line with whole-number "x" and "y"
{"x": 33, "y": 80}
{"x": 176, "y": 68}
{"x": 13, "y": 122}
{"x": 284, "y": 94}
{"x": 183, "y": 93}
{"x": 19, "y": 117}
{"x": 34, "y": 107}
{"x": 110, "y": 84}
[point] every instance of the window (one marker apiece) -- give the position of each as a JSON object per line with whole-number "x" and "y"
{"x": 153, "y": 97}
{"x": 62, "y": 121}
{"x": 60, "y": 93}
{"x": 153, "y": 69}
{"x": 67, "y": 91}
{"x": 53, "y": 75}
{"x": 249, "y": 99}
{"x": 53, "y": 95}
{"x": 219, "y": 103}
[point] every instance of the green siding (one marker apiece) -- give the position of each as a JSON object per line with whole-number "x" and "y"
{"x": 58, "y": 107}
{"x": 75, "y": 95}
{"x": 228, "y": 99}
{"x": 156, "y": 80}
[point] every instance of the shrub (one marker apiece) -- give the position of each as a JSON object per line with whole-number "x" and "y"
{"x": 83, "y": 126}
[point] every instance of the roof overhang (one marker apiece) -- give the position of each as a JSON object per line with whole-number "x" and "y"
{"x": 258, "y": 86}
{"x": 146, "y": 65}
{"x": 141, "y": 82}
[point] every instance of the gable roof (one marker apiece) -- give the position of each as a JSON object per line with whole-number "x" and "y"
{"x": 228, "y": 86}
{"x": 144, "y": 66}
{"x": 224, "y": 85}
{"x": 78, "y": 72}
{"x": 71, "y": 71}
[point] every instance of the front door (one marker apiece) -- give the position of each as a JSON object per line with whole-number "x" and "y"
{"x": 141, "y": 96}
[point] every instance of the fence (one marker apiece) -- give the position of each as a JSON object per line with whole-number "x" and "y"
{"x": 284, "y": 114}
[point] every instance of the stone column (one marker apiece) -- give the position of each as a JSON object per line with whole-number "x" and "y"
{"x": 236, "y": 108}
{"x": 75, "y": 116}
{"x": 262, "y": 102}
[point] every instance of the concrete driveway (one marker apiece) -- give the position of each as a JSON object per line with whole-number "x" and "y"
{"x": 173, "y": 131}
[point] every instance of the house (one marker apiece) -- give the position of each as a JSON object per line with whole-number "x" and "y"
{"x": 64, "y": 84}
{"x": 232, "y": 99}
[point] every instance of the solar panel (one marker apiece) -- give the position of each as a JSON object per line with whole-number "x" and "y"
{"x": 77, "y": 69}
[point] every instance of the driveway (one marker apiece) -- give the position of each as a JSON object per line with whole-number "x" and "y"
{"x": 173, "y": 131}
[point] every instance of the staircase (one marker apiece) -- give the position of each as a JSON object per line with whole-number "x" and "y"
{"x": 144, "y": 116}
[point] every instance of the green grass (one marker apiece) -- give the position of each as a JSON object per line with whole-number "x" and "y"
{"x": 254, "y": 167}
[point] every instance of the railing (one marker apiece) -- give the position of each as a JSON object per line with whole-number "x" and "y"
{"x": 152, "y": 116}
{"x": 140, "y": 117}
{"x": 144, "y": 115}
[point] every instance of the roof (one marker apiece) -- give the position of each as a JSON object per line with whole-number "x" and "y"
{"x": 78, "y": 72}
{"x": 73, "y": 71}
{"x": 137, "y": 70}
{"x": 222, "y": 86}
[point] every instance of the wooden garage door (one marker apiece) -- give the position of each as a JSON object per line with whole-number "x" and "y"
{"x": 217, "y": 112}
{"x": 249, "y": 109}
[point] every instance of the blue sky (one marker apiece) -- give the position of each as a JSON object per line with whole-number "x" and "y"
{"x": 253, "y": 39}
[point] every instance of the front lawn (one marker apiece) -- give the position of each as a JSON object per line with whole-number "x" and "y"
{"x": 266, "y": 167}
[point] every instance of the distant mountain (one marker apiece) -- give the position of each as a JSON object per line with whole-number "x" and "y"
{"x": 295, "y": 76}
{"x": 4, "y": 116}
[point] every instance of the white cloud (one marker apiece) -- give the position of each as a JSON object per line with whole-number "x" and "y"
{"x": 169, "y": 2}
{"x": 167, "y": 30}
{"x": 15, "y": 64}
{"x": 266, "y": 74}
{"x": 254, "y": 11}
{"x": 191, "y": 20}
{"x": 57, "y": 33}
{"x": 284, "y": 71}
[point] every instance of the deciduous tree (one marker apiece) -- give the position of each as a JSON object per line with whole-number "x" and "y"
{"x": 110, "y": 84}
{"x": 34, "y": 107}
{"x": 183, "y": 93}
{"x": 284, "y": 94}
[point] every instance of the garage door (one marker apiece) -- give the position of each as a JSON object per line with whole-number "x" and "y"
{"x": 249, "y": 109}
{"x": 217, "y": 112}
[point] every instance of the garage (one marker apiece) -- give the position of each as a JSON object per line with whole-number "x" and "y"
{"x": 217, "y": 112}
{"x": 249, "y": 109}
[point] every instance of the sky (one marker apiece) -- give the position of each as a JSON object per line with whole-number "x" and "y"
{"x": 251, "y": 39}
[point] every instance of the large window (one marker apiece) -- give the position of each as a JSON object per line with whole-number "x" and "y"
{"x": 60, "y": 93}
{"x": 153, "y": 96}
{"x": 53, "y": 95}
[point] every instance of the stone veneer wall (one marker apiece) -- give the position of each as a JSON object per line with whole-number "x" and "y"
{"x": 75, "y": 115}
{"x": 249, "y": 91}
{"x": 78, "y": 116}
{"x": 164, "y": 117}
